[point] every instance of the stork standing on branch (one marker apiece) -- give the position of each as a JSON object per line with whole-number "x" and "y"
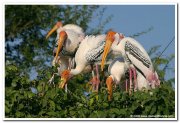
{"x": 69, "y": 37}
{"x": 117, "y": 70}
{"x": 134, "y": 55}
{"x": 89, "y": 52}
{"x": 67, "y": 41}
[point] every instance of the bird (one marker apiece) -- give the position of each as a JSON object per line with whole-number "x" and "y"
{"x": 135, "y": 56}
{"x": 89, "y": 52}
{"x": 117, "y": 69}
{"x": 68, "y": 39}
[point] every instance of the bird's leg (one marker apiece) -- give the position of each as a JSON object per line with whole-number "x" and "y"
{"x": 126, "y": 85}
{"x": 97, "y": 78}
{"x": 69, "y": 66}
{"x": 51, "y": 81}
{"x": 127, "y": 80}
{"x": 135, "y": 79}
{"x": 109, "y": 83}
{"x": 66, "y": 88}
{"x": 93, "y": 78}
{"x": 130, "y": 79}
{"x": 93, "y": 83}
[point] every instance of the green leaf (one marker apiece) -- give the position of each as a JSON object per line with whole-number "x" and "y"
{"x": 91, "y": 101}
{"x": 30, "y": 94}
{"x": 52, "y": 113}
{"x": 39, "y": 88}
{"x": 14, "y": 84}
{"x": 19, "y": 114}
{"x": 7, "y": 110}
{"x": 52, "y": 105}
{"x": 153, "y": 110}
{"x": 114, "y": 110}
{"x": 21, "y": 106}
{"x": 105, "y": 105}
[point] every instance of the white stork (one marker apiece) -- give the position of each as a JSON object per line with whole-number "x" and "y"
{"x": 117, "y": 70}
{"x": 89, "y": 52}
{"x": 68, "y": 39}
{"x": 133, "y": 53}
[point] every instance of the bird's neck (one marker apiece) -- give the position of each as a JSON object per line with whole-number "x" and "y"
{"x": 77, "y": 70}
{"x": 118, "y": 47}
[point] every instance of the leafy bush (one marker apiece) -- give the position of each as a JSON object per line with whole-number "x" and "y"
{"x": 51, "y": 102}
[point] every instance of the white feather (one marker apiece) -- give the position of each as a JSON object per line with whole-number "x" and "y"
{"x": 121, "y": 49}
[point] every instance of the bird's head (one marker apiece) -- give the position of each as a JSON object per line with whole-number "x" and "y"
{"x": 110, "y": 38}
{"x": 65, "y": 76}
{"x": 56, "y": 26}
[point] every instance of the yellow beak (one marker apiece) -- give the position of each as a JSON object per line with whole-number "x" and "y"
{"x": 58, "y": 24}
{"x": 62, "y": 38}
{"x": 109, "y": 83}
{"x": 51, "y": 31}
{"x": 105, "y": 53}
{"x": 62, "y": 83}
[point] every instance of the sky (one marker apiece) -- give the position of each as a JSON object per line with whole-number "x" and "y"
{"x": 131, "y": 19}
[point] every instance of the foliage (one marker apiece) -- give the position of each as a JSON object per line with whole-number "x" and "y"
{"x": 26, "y": 49}
{"x": 48, "y": 101}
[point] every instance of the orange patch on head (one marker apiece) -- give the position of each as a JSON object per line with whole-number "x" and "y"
{"x": 63, "y": 34}
{"x": 65, "y": 74}
{"x": 110, "y": 35}
{"x": 59, "y": 24}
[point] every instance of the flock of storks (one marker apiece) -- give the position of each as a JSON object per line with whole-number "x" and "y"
{"x": 76, "y": 53}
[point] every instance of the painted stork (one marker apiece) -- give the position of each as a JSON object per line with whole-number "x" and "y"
{"x": 117, "y": 70}
{"x": 133, "y": 53}
{"x": 89, "y": 52}
{"x": 68, "y": 39}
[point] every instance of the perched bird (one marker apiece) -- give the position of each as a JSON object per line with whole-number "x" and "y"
{"x": 117, "y": 69}
{"x": 69, "y": 37}
{"x": 67, "y": 41}
{"x": 133, "y": 53}
{"x": 89, "y": 52}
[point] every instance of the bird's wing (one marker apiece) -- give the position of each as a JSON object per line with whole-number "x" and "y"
{"x": 95, "y": 54}
{"x": 138, "y": 58}
{"x": 135, "y": 55}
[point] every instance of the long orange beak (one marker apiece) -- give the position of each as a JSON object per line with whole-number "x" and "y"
{"x": 58, "y": 24}
{"x": 109, "y": 40}
{"x": 62, "y": 38}
{"x": 109, "y": 83}
{"x": 105, "y": 53}
{"x": 62, "y": 83}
